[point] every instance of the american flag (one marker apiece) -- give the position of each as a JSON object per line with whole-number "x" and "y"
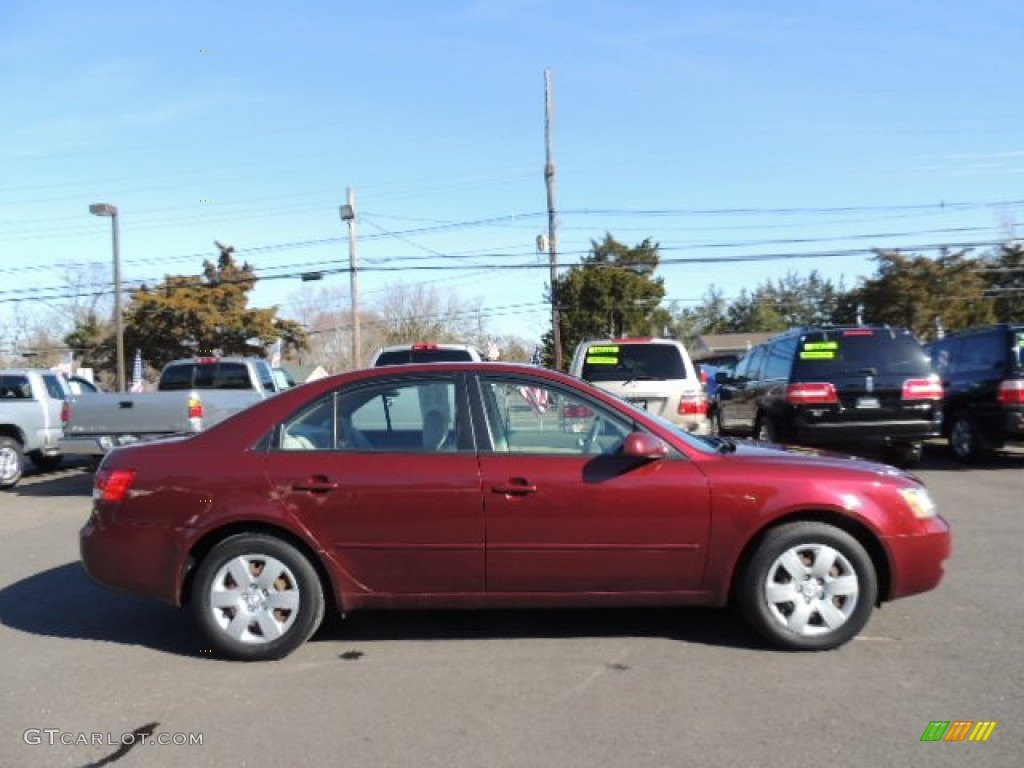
{"x": 493, "y": 353}
{"x": 537, "y": 399}
{"x": 275, "y": 354}
{"x": 137, "y": 384}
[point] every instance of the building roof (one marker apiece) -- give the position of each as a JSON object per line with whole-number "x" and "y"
{"x": 726, "y": 343}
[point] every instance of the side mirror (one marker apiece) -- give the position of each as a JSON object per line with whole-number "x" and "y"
{"x": 643, "y": 445}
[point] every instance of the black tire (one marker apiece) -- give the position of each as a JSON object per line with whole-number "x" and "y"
{"x": 905, "y": 455}
{"x": 828, "y": 608}
{"x": 965, "y": 441}
{"x": 715, "y": 417}
{"x": 295, "y": 588}
{"x": 46, "y": 463}
{"x": 12, "y": 462}
{"x": 764, "y": 430}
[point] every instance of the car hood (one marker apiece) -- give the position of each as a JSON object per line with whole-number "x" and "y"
{"x": 791, "y": 455}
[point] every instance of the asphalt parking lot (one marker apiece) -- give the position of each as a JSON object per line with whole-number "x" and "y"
{"x": 95, "y": 678}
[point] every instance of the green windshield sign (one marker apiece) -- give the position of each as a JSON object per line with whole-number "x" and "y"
{"x": 819, "y": 350}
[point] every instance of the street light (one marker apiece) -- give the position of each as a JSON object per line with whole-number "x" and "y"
{"x": 106, "y": 209}
{"x": 348, "y": 215}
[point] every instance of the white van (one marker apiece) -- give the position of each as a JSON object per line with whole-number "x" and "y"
{"x": 654, "y": 374}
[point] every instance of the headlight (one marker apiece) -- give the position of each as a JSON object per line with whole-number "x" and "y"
{"x": 919, "y": 501}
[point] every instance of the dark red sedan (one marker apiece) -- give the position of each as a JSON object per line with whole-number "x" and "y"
{"x": 453, "y": 485}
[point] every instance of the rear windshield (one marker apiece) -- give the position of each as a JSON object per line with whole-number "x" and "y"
{"x": 219, "y": 375}
{"x": 624, "y": 362}
{"x": 405, "y": 356}
{"x": 860, "y": 351}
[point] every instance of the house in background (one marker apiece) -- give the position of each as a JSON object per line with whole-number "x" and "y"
{"x": 715, "y": 345}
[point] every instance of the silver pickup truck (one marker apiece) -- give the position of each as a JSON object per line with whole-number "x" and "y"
{"x": 192, "y": 394}
{"x": 30, "y": 421}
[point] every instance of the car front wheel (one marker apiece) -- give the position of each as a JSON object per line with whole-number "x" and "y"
{"x": 256, "y": 598}
{"x": 808, "y": 586}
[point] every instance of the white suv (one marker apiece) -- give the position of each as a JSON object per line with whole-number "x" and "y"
{"x": 654, "y": 374}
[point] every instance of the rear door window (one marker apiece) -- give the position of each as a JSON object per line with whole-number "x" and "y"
{"x": 624, "y": 362}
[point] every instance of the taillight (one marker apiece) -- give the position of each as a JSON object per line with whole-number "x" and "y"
{"x": 65, "y": 413}
{"x": 113, "y": 484}
{"x": 923, "y": 389}
{"x": 817, "y": 393}
{"x": 1012, "y": 392}
{"x": 692, "y": 405}
{"x": 195, "y": 407}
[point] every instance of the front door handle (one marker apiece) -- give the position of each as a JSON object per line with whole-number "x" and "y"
{"x": 316, "y": 484}
{"x": 515, "y": 487}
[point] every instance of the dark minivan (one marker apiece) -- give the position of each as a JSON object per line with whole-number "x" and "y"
{"x": 983, "y": 378}
{"x": 853, "y": 387}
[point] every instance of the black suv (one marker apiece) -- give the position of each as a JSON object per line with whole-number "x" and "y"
{"x": 843, "y": 387}
{"x": 982, "y": 374}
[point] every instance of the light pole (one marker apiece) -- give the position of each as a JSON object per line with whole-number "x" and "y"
{"x": 106, "y": 209}
{"x": 348, "y": 215}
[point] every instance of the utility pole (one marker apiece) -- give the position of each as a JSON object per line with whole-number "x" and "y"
{"x": 348, "y": 215}
{"x": 549, "y": 180}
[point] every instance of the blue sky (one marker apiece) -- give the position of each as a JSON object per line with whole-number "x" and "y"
{"x": 778, "y": 136}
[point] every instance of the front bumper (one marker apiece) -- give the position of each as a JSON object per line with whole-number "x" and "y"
{"x": 918, "y": 560}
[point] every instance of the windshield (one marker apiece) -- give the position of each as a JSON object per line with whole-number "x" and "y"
{"x": 626, "y": 362}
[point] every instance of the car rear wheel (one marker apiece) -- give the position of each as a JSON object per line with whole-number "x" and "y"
{"x": 11, "y": 462}
{"x": 764, "y": 430}
{"x": 257, "y": 598}
{"x": 808, "y": 586}
{"x": 964, "y": 440}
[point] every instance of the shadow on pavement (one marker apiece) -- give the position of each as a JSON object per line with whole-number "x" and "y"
{"x": 705, "y": 626}
{"x": 63, "y": 602}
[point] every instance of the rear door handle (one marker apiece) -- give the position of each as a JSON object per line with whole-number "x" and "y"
{"x": 316, "y": 484}
{"x": 515, "y": 487}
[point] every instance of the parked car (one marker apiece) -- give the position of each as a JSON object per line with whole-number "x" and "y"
{"x": 191, "y": 395}
{"x": 656, "y": 375}
{"x": 424, "y": 352}
{"x": 860, "y": 387}
{"x": 31, "y": 401}
{"x": 982, "y": 372}
{"x": 419, "y": 486}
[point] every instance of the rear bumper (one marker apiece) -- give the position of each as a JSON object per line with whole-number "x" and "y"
{"x": 918, "y": 561}
{"x": 869, "y": 433}
{"x": 140, "y": 559}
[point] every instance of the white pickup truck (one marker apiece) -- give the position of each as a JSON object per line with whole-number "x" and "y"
{"x": 192, "y": 394}
{"x": 30, "y": 421}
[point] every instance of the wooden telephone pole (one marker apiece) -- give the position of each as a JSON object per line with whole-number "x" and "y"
{"x": 549, "y": 180}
